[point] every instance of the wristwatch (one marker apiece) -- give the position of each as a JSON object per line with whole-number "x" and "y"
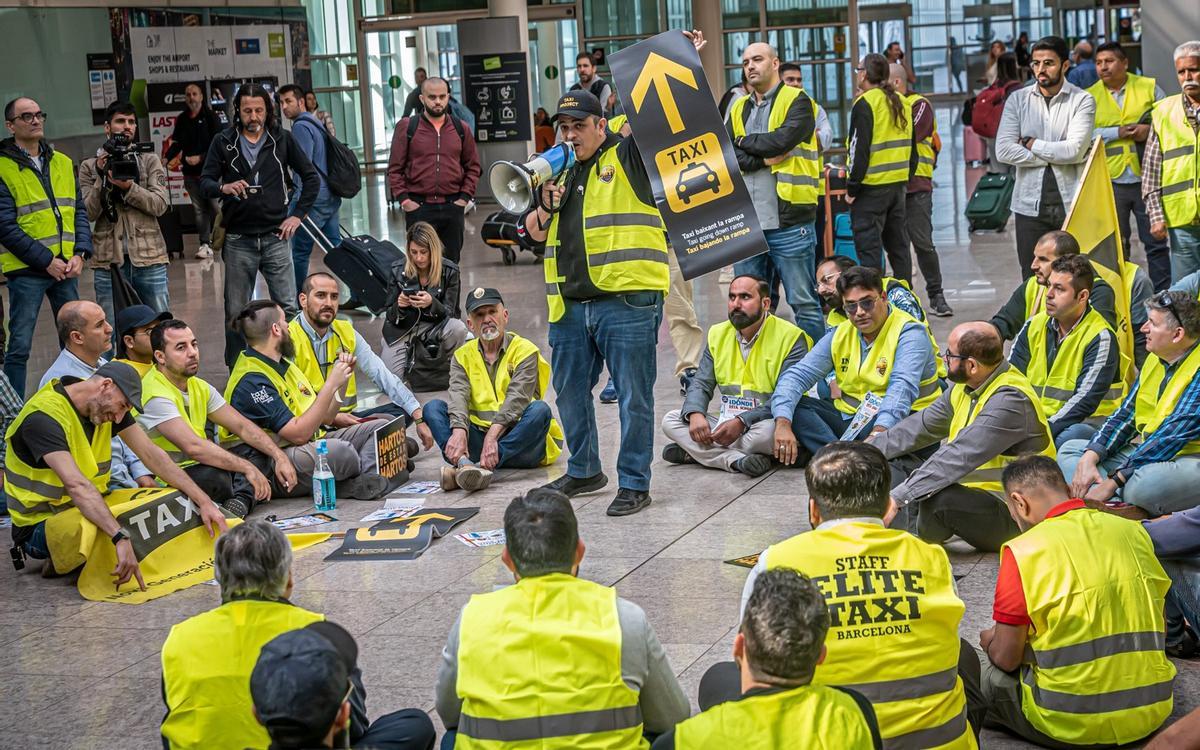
{"x": 419, "y": 420}
{"x": 121, "y": 534}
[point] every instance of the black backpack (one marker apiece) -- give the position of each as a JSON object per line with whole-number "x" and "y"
{"x": 415, "y": 121}
{"x": 344, "y": 176}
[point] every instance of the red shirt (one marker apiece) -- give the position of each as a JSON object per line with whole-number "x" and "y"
{"x": 1009, "y": 606}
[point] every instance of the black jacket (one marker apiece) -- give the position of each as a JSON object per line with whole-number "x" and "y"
{"x": 753, "y": 149}
{"x": 192, "y": 137}
{"x": 262, "y": 213}
{"x": 400, "y": 320}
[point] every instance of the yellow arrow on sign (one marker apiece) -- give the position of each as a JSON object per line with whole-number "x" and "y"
{"x": 412, "y": 526}
{"x": 657, "y": 74}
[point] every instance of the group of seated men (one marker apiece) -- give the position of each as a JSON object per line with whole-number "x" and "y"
{"x": 848, "y": 638}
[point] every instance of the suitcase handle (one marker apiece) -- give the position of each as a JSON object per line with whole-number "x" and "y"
{"x": 318, "y": 236}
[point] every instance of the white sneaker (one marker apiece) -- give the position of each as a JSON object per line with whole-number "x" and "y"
{"x": 204, "y": 252}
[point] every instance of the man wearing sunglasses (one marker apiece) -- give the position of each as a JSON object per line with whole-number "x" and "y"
{"x": 884, "y": 365}
{"x": 45, "y": 239}
{"x": 1145, "y": 461}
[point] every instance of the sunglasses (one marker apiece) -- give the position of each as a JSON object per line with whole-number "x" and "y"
{"x": 29, "y": 117}
{"x": 866, "y": 303}
{"x": 1164, "y": 300}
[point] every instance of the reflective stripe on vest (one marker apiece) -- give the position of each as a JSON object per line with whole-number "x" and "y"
{"x": 624, "y": 238}
{"x": 1180, "y": 146}
{"x": 35, "y": 494}
{"x": 341, "y": 338}
{"x": 1122, "y": 153}
{"x": 858, "y": 375}
{"x": 926, "y": 156}
{"x": 798, "y": 176}
{"x": 1155, "y": 402}
{"x": 297, "y": 393}
{"x": 967, "y": 406}
{"x": 1058, "y": 383}
{"x": 891, "y": 144}
{"x": 487, "y": 397}
{"x": 900, "y": 651}
{"x": 49, "y": 220}
{"x": 194, "y": 413}
{"x": 541, "y": 661}
{"x": 1094, "y": 592}
{"x": 756, "y": 375}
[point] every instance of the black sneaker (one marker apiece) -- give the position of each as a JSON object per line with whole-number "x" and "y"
{"x": 628, "y": 502}
{"x": 938, "y": 306}
{"x": 1187, "y": 648}
{"x": 753, "y": 465}
{"x": 609, "y": 394}
{"x": 570, "y": 486}
{"x": 363, "y": 487}
{"x": 673, "y": 453}
{"x": 235, "y": 508}
{"x": 685, "y": 380}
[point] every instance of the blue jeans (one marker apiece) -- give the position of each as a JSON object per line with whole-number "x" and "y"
{"x": 1160, "y": 488}
{"x": 36, "y": 546}
{"x": 1185, "y": 251}
{"x": 522, "y": 447}
{"x": 244, "y": 256}
{"x": 150, "y": 283}
{"x": 622, "y": 331}
{"x": 25, "y": 294}
{"x": 1078, "y": 431}
{"x": 792, "y": 251}
{"x": 816, "y": 423}
{"x": 1183, "y": 600}
{"x": 324, "y": 214}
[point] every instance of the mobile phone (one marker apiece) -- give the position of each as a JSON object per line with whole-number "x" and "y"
{"x": 253, "y": 189}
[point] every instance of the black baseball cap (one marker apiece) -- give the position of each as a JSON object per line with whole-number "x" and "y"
{"x": 578, "y": 104}
{"x": 301, "y": 679}
{"x": 480, "y": 296}
{"x": 126, "y": 379}
{"x": 136, "y": 316}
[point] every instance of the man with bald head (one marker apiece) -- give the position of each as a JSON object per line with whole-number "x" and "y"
{"x": 775, "y": 140}
{"x": 989, "y": 418}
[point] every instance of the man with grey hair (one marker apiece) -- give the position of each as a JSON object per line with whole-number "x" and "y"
{"x": 1169, "y": 180}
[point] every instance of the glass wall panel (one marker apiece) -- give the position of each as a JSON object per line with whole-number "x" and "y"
{"x": 608, "y": 18}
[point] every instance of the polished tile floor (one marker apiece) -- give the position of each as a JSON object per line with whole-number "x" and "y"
{"x": 80, "y": 674}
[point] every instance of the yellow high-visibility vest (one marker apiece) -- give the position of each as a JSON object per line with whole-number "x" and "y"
{"x": 1180, "y": 147}
{"x": 343, "y": 338}
{"x": 926, "y": 156}
{"x": 893, "y": 633}
{"x": 35, "y": 494}
{"x": 295, "y": 390}
{"x": 539, "y": 666}
{"x": 797, "y": 177}
{"x": 486, "y": 398}
{"x": 206, "y": 666}
{"x": 624, "y": 238}
{"x": 194, "y": 412}
{"x": 891, "y": 145}
{"x": 1122, "y": 153}
{"x": 1058, "y": 385}
{"x": 1094, "y": 591}
{"x": 756, "y": 375}
{"x": 857, "y": 375}
{"x": 1155, "y": 402}
{"x": 48, "y": 219}
{"x": 616, "y": 121}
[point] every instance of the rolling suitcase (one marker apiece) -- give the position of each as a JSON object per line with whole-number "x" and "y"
{"x": 363, "y": 263}
{"x": 990, "y": 203}
{"x": 502, "y": 230}
{"x": 974, "y": 148}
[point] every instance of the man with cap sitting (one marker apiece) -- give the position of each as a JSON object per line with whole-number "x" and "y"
{"x": 495, "y": 416}
{"x": 60, "y": 452}
{"x": 134, "y": 325}
{"x": 208, "y": 660}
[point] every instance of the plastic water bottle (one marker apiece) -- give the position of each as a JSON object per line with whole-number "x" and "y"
{"x": 324, "y": 492}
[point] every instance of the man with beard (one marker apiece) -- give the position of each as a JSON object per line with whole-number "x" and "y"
{"x": 494, "y": 416}
{"x": 1168, "y": 174}
{"x": 884, "y": 365}
{"x": 743, "y": 360}
{"x": 590, "y": 81}
{"x": 177, "y": 407}
{"x": 989, "y": 418}
{"x": 269, "y": 389}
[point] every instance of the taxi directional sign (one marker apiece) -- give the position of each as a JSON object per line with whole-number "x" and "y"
{"x": 683, "y": 142}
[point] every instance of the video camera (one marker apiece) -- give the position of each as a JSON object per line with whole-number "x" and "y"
{"x": 122, "y": 157}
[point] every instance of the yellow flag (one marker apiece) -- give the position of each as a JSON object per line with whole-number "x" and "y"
{"x": 1093, "y": 223}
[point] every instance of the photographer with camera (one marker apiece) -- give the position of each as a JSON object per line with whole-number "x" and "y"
{"x": 125, "y": 191}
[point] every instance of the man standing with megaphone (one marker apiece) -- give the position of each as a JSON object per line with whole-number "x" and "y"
{"x": 607, "y": 270}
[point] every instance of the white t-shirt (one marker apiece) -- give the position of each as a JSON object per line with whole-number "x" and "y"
{"x": 160, "y": 409}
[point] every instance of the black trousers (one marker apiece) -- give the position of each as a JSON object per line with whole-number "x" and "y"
{"x": 447, "y": 220}
{"x": 1031, "y": 228}
{"x": 407, "y": 729}
{"x": 1158, "y": 252}
{"x": 222, "y": 485}
{"x": 877, "y": 218}
{"x": 918, "y": 212}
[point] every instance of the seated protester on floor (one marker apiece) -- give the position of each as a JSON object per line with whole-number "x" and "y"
{"x": 425, "y": 310}
{"x": 307, "y": 692}
{"x": 134, "y": 325}
{"x": 766, "y": 697}
{"x": 86, "y": 335}
{"x": 1182, "y": 735}
{"x": 320, "y": 336}
{"x": 1177, "y": 546}
{"x": 494, "y": 416}
{"x": 177, "y": 407}
{"x": 900, "y": 648}
{"x": 1070, "y": 354}
{"x": 269, "y": 389}
{"x": 1147, "y": 454}
{"x": 1029, "y": 298}
{"x": 564, "y": 659}
{"x": 59, "y": 453}
{"x": 884, "y": 367}
{"x": 1075, "y": 658}
{"x": 742, "y": 361}
{"x": 899, "y": 293}
{"x": 208, "y": 659}
{"x": 990, "y": 416}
